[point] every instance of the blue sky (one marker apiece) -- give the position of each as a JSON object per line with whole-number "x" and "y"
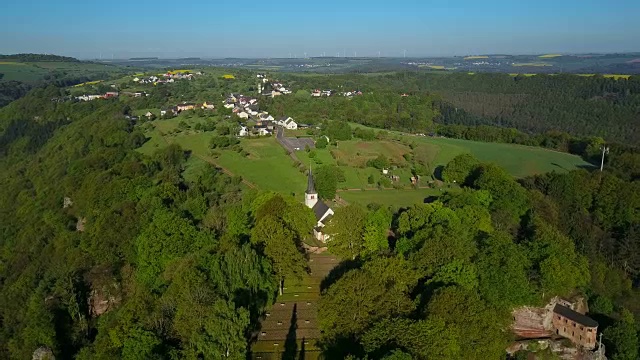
{"x": 248, "y": 28}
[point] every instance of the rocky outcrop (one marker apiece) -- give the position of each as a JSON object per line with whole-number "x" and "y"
{"x": 536, "y": 322}
{"x": 103, "y": 298}
{"x": 562, "y": 349}
{"x": 43, "y": 353}
{"x": 80, "y": 224}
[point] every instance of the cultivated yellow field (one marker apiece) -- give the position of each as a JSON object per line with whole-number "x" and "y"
{"x": 610, "y": 76}
{"x": 88, "y": 83}
{"x": 531, "y": 64}
{"x": 549, "y": 56}
{"x": 228, "y": 76}
{"x": 11, "y": 63}
{"x": 514, "y": 74}
{"x": 476, "y": 57}
{"x": 436, "y": 67}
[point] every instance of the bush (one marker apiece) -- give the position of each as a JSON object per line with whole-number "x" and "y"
{"x": 384, "y": 182}
{"x": 371, "y": 180}
{"x": 312, "y": 154}
{"x": 322, "y": 143}
{"x": 222, "y": 142}
{"x": 381, "y": 162}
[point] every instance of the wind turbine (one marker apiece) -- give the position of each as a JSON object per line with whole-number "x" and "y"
{"x": 405, "y": 52}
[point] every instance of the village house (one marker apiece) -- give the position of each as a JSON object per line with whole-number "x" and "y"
{"x": 244, "y": 131}
{"x": 243, "y": 115}
{"x": 89, "y": 97}
{"x": 316, "y": 93}
{"x": 287, "y": 122}
{"x": 110, "y": 94}
{"x": 578, "y": 328}
{"x": 321, "y": 210}
{"x": 207, "y": 106}
{"x": 265, "y": 117}
{"x": 185, "y": 106}
{"x": 262, "y": 130}
{"x": 229, "y": 106}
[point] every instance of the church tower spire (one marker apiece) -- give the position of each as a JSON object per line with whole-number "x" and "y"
{"x": 310, "y": 196}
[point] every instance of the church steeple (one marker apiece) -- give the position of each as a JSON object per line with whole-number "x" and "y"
{"x": 311, "y": 189}
{"x": 310, "y": 196}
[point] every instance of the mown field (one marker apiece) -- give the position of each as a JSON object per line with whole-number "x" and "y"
{"x": 395, "y": 198}
{"x": 264, "y": 163}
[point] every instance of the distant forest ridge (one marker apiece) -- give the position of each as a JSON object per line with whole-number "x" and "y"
{"x": 37, "y": 57}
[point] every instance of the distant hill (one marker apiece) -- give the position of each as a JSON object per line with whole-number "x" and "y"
{"x": 37, "y": 58}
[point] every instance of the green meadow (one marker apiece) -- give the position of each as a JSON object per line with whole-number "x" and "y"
{"x": 265, "y": 164}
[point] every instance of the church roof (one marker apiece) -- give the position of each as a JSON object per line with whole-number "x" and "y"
{"x": 311, "y": 189}
{"x": 319, "y": 209}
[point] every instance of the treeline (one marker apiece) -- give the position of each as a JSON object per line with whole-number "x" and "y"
{"x": 581, "y": 106}
{"x": 622, "y": 160}
{"x": 384, "y": 109}
{"x": 444, "y": 285}
{"x": 488, "y": 111}
{"x": 107, "y": 253}
{"x": 37, "y": 58}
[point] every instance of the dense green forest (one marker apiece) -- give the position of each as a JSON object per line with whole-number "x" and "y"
{"x": 579, "y": 106}
{"x": 445, "y": 287}
{"x": 177, "y": 265}
{"x": 107, "y": 253}
{"x": 37, "y": 57}
{"x": 562, "y": 112}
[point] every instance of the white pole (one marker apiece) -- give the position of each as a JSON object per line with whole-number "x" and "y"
{"x": 605, "y": 149}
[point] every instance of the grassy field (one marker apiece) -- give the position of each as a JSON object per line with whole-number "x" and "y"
{"x": 518, "y": 160}
{"x": 264, "y": 163}
{"x": 394, "y": 198}
{"x": 475, "y": 57}
{"x": 302, "y": 297}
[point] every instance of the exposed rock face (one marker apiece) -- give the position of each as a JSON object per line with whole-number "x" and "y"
{"x": 80, "y": 224}
{"x": 561, "y": 348}
{"x": 67, "y": 202}
{"x": 536, "y": 322}
{"x": 529, "y": 323}
{"x": 43, "y": 353}
{"x": 103, "y": 299}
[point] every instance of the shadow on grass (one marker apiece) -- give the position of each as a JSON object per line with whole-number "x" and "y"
{"x": 338, "y": 272}
{"x": 291, "y": 344}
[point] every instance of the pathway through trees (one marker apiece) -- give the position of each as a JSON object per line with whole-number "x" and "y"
{"x": 290, "y": 327}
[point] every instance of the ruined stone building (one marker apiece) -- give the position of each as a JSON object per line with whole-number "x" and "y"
{"x": 578, "y": 328}
{"x": 559, "y": 317}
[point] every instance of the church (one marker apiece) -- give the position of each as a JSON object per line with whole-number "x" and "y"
{"x": 321, "y": 210}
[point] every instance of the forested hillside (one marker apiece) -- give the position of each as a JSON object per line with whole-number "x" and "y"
{"x": 579, "y": 106}
{"x": 445, "y": 287}
{"x": 21, "y": 72}
{"x": 109, "y": 254}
